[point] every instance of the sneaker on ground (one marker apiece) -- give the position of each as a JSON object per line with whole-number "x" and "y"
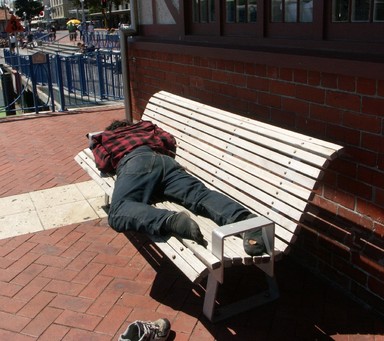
{"x": 147, "y": 331}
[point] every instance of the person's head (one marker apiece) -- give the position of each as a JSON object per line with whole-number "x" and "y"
{"x": 118, "y": 124}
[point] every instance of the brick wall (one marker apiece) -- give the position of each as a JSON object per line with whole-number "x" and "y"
{"x": 344, "y": 241}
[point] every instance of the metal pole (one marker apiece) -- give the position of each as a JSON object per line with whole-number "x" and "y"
{"x": 34, "y": 87}
{"x": 84, "y": 31}
{"x": 82, "y": 11}
{"x": 125, "y": 32}
{"x": 18, "y": 74}
{"x": 125, "y": 73}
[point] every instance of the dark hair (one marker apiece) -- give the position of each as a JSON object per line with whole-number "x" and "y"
{"x": 118, "y": 124}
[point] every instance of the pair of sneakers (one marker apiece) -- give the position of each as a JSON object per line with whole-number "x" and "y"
{"x": 147, "y": 331}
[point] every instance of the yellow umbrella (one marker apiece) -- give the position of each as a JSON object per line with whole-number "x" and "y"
{"x": 74, "y": 21}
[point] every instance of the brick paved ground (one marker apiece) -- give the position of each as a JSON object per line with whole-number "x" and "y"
{"x": 86, "y": 282}
{"x": 37, "y": 151}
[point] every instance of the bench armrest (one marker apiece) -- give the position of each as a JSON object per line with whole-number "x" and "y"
{"x": 220, "y": 233}
{"x": 89, "y": 136}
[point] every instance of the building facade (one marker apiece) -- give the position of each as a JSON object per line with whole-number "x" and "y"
{"x": 59, "y": 11}
{"x": 315, "y": 67}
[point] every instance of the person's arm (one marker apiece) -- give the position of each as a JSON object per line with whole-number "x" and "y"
{"x": 102, "y": 157}
{"x": 168, "y": 140}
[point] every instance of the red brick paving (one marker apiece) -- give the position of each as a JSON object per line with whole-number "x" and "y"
{"x": 86, "y": 282}
{"x": 37, "y": 151}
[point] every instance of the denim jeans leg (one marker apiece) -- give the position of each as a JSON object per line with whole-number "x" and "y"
{"x": 191, "y": 193}
{"x": 138, "y": 177}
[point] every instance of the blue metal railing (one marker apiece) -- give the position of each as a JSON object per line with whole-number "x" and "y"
{"x": 100, "y": 39}
{"x": 78, "y": 80}
{"x": 107, "y": 40}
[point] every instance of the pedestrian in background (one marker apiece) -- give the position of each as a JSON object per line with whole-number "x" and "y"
{"x": 91, "y": 31}
{"x": 81, "y": 29}
{"x": 52, "y": 33}
{"x": 12, "y": 42}
{"x": 72, "y": 32}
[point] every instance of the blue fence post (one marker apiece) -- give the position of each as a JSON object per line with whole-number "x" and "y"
{"x": 14, "y": 61}
{"x": 50, "y": 87}
{"x": 34, "y": 88}
{"x": 7, "y": 56}
{"x": 68, "y": 72}
{"x": 9, "y": 94}
{"x": 99, "y": 60}
{"x": 24, "y": 65}
{"x": 97, "y": 40}
{"x": 83, "y": 83}
{"x": 60, "y": 83}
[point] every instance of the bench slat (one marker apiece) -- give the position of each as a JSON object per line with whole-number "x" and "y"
{"x": 183, "y": 258}
{"x": 87, "y": 163}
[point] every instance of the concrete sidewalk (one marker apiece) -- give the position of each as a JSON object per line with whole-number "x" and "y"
{"x": 50, "y": 208}
{"x": 65, "y": 275}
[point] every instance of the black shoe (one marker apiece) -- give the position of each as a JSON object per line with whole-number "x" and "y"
{"x": 253, "y": 242}
{"x": 147, "y": 330}
{"x": 182, "y": 225}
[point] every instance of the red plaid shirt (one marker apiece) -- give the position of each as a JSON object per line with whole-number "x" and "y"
{"x": 109, "y": 147}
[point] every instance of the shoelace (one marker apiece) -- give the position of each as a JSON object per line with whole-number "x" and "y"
{"x": 147, "y": 329}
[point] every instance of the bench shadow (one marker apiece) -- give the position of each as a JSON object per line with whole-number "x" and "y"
{"x": 308, "y": 307}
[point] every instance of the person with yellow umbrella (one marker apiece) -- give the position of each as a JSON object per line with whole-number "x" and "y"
{"x": 72, "y": 28}
{"x": 74, "y": 21}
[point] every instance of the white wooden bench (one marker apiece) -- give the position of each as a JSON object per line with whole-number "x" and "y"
{"x": 270, "y": 170}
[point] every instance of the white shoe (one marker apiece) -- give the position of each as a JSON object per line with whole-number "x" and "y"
{"x": 147, "y": 331}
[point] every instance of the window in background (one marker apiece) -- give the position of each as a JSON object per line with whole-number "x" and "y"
{"x": 357, "y": 10}
{"x": 360, "y": 10}
{"x": 241, "y": 11}
{"x": 204, "y": 11}
{"x": 378, "y": 10}
{"x": 292, "y": 11}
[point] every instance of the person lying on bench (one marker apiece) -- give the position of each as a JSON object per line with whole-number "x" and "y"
{"x": 142, "y": 157}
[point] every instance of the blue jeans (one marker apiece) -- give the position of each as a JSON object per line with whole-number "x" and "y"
{"x": 143, "y": 175}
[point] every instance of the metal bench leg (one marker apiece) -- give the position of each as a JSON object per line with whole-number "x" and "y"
{"x": 251, "y": 302}
{"x": 273, "y": 289}
{"x": 210, "y": 297}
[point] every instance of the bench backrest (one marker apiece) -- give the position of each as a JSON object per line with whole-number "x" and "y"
{"x": 270, "y": 170}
